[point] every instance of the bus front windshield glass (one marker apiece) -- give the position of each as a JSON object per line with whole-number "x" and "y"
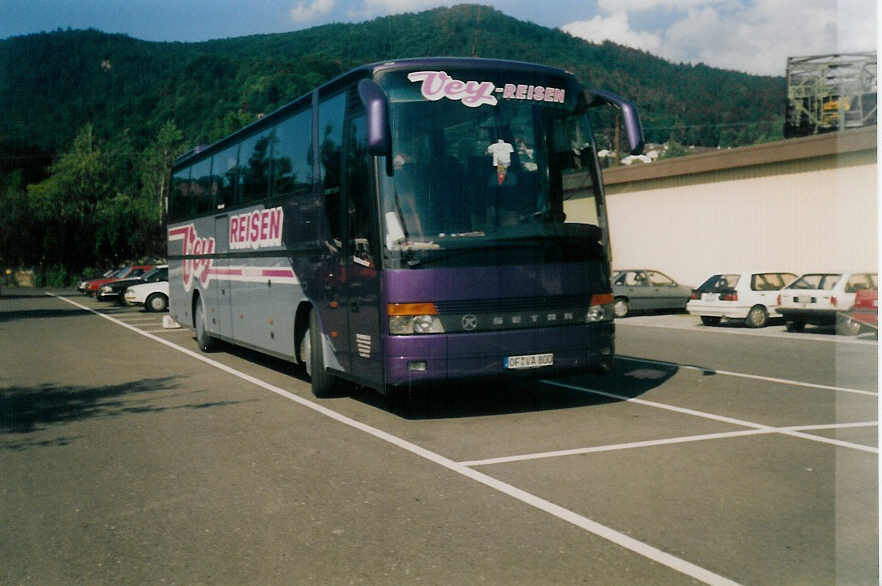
{"x": 471, "y": 176}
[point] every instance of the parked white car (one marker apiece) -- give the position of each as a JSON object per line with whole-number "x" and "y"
{"x": 818, "y": 298}
{"x": 153, "y": 296}
{"x": 748, "y": 296}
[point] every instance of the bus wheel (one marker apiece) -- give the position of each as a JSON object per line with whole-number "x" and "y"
{"x": 323, "y": 383}
{"x": 205, "y": 341}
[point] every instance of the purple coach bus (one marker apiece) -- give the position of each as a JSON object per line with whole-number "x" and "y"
{"x": 404, "y": 224}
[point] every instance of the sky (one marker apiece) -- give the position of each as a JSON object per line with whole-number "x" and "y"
{"x": 754, "y": 36}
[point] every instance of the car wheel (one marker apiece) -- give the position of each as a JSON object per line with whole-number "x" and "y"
{"x": 621, "y": 307}
{"x": 323, "y": 383}
{"x": 757, "y": 317}
{"x": 847, "y": 326}
{"x": 794, "y": 326}
{"x": 711, "y": 320}
{"x": 205, "y": 341}
{"x": 156, "y": 302}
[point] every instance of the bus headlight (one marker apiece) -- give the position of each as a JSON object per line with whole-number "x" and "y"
{"x": 600, "y": 308}
{"x": 414, "y": 318}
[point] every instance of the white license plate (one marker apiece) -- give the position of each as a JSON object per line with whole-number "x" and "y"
{"x": 529, "y": 361}
{"x": 710, "y": 296}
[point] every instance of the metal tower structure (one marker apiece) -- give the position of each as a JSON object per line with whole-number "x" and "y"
{"x": 830, "y": 92}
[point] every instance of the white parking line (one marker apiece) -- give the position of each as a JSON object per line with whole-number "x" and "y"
{"x": 166, "y": 331}
{"x": 567, "y": 515}
{"x": 769, "y": 379}
{"x": 661, "y": 442}
{"x": 715, "y": 417}
{"x": 792, "y": 336}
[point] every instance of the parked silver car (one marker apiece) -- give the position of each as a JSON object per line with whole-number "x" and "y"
{"x": 642, "y": 289}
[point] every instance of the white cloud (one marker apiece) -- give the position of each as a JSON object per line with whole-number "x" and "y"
{"x": 373, "y": 8}
{"x": 306, "y": 12}
{"x": 753, "y": 36}
{"x": 614, "y": 27}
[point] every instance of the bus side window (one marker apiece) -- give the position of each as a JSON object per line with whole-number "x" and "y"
{"x": 292, "y": 160}
{"x": 180, "y": 194}
{"x": 330, "y": 115}
{"x": 254, "y": 172}
{"x": 225, "y": 173}
{"x": 201, "y": 195}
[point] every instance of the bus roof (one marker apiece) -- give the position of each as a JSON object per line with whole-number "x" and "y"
{"x": 364, "y": 71}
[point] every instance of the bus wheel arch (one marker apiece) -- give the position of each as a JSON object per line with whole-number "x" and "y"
{"x": 324, "y": 384}
{"x": 200, "y": 324}
{"x": 301, "y": 331}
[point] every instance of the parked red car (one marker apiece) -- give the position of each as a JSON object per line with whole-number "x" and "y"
{"x": 864, "y": 315}
{"x": 91, "y": 287}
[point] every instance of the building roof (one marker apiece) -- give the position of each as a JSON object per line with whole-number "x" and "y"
{"x": 819, "y": 145}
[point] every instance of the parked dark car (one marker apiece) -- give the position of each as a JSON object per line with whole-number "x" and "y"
{"x": 642, "y": 289}
{"x": 113, "y": 291}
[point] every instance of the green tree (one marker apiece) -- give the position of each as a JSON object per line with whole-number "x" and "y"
{"x": 65, "y": 204}
{"x": 155, "y": 171}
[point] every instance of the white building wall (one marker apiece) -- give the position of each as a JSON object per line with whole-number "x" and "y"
{"x": 818, "y": 219}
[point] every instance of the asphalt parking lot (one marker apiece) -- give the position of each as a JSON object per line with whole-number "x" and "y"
{"x": 710, "y": 455}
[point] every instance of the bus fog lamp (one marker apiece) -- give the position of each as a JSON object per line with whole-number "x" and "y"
{"x": 417, "y": 366}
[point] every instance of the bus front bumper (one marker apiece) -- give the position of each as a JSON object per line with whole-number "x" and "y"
{"x": 544, "y": 352}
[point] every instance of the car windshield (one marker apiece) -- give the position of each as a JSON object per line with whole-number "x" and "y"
{"x": 121, "y": 272}
{"x": 820, "y": 281}
{"x": 717, "y": 283}
{"x": 466, "y": 176}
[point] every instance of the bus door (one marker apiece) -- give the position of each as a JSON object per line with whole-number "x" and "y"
{"x": 362, "y": 257}
{"x": 221, "y": 294}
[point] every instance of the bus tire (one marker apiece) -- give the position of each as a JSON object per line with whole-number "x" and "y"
{"x": 323, "y": 383}
{"x": 203, "y": 338}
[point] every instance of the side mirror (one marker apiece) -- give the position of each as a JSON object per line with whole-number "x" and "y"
{"x": 633, "y": 127}
{"x": 376, "y": 105}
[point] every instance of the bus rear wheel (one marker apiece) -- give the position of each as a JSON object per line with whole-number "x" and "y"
{"x": 323, "y": 383}
{"x": 203, "y": 338}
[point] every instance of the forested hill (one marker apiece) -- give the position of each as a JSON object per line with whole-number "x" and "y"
{"x": 51, "y": 84}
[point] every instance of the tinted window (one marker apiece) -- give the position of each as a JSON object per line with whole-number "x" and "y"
{"x": 331, "y": 112}
{"x": 225, "y": 172}
{"x": 717, "y": 283}
{"x": 292, "y": 155}
{"x": 180, "y": 202}
{"x": 255, "y": 167}
{"x": 202, "y": 187}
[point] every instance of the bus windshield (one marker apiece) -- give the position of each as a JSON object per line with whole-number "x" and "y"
{"x": 466, "y": 176}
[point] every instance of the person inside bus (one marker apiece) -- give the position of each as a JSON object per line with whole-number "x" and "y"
{"x": 508, "y": 202}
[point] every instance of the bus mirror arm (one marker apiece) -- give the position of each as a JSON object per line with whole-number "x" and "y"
{"x": 376, "y": 105}
{"x": 633, "y": 127}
